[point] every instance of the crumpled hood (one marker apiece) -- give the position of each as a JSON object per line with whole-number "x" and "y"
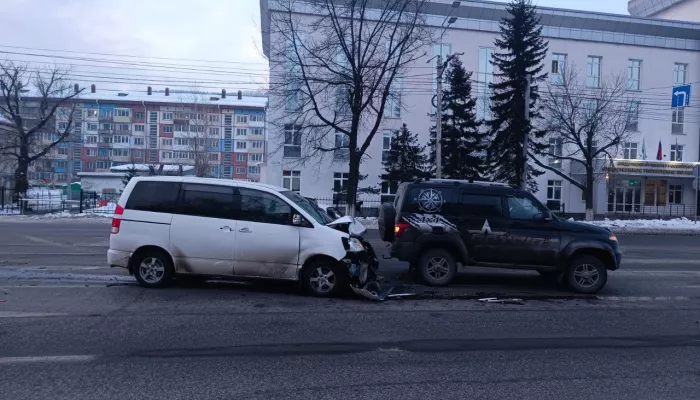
{"x": 354, "y": 227}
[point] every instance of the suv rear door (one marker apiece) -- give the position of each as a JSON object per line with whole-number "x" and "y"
{"x": 482, "y": 221}
{"x": 202, "y": 231}
{"x": 533, "y": 241}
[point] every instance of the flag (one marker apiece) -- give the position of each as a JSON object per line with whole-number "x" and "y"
{"x": 659, "y": 153}
{"x": 644, "y": 150}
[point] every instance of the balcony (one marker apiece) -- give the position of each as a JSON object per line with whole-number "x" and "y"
{"x": 105, "y": 131}
{"x": 103, "y": 118}
{"x": 123, "y": 132}
{"x": 102, "y": 145}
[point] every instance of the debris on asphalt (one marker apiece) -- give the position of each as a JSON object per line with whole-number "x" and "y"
{"x": 501, "y": 301}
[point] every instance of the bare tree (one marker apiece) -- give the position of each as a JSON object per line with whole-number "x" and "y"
{"x": 586, "y": 126}
{"x": 337, "y": 62}
{"x": 33, "y": 100}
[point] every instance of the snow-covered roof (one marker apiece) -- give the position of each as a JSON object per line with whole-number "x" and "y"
{"x": 144, "y": 168}
{"x": 174, "y": 97}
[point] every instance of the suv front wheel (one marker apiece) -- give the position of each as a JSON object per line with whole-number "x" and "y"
{"x": 437, "y": 267}
{"x": 587, "y": 275}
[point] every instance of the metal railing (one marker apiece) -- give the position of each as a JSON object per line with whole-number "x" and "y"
{"x": 45, "y": 200}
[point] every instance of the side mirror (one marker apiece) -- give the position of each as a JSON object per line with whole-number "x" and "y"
{"x": 543, "y": 216}
{"x": 297, "y": 220}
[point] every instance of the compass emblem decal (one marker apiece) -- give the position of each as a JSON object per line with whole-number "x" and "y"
{"x": 430, "y": 200}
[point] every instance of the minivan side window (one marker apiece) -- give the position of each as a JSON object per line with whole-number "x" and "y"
{"x": 258, "y": 206}
{"x": 481, "y": 205}
{"x": 153, "y": 196}
{"x": 211, "y": 201}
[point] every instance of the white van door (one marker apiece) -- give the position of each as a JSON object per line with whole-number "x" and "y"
{"x": 267, "y": 244}
{"x": 203, "y": 231}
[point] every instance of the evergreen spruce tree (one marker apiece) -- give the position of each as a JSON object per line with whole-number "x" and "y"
{"x": 131, "y": 172}
{"x": 463, "y": 142}
{"x": 521, "y": 51}
{"x": 406, "y": 160}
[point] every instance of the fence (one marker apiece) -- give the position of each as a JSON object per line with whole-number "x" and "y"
{"x": 628, "y": 211}
{"x": 44, "y": 200}
{"x": 367, "y": 208}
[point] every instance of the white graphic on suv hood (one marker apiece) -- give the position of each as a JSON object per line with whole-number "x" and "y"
{"x": 486, "y": 228}
{"x": 430, "y": 200}
{"x": 428, "y": 222}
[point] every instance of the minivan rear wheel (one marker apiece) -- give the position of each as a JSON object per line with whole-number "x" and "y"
{"x": 153, "y": 269}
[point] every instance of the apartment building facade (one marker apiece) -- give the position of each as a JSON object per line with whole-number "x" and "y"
{"x": 656, "y": 57}
{"x": 220, "y": 135}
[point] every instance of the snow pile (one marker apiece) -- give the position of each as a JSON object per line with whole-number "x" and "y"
{"x": 650, "y": 226}
{"x": 368, "y": 222}
{"x": 9, "y": 210}
{"x": 106, "y": 209}
{"x": 66, "y": 214}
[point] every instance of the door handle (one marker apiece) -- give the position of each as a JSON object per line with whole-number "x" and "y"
{"x": 226, "y": 228}
{"x": 245, "y": 230}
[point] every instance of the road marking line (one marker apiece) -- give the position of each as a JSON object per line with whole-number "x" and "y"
{"x": 645, "y": 298}
{"x": 44, "y": 241}
{"x": 21, "y": 314}
{"x": 47, "y": 359}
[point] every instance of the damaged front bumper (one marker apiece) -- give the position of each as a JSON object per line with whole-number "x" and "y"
{"x": 363, "y": 272}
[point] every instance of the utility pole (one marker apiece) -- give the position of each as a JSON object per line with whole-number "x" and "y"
{"x": 438, "y": 122}
{"x": 528, "y": 82}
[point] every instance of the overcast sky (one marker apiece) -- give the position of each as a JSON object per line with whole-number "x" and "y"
{"x": 213, "y": 30}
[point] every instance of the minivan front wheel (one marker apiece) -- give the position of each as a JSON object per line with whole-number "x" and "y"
{"x": 323, "y": 278}
{"x": 153, "y": 269}
{"x": 587, "y": 275}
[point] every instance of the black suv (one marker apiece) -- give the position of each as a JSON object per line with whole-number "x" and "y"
{"x": 436, "y": 224}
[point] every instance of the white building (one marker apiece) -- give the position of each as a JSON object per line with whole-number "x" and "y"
{"x": 657, "y": 56}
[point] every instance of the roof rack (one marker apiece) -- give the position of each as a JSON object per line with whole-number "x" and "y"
{"x": 468, "y": 181}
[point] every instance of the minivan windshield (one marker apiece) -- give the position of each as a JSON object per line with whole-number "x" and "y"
{"x": 314, "y": 211}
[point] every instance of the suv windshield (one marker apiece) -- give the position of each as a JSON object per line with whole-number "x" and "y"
{"x": 316, "y": 213}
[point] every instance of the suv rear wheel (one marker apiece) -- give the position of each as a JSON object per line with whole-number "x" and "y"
{"x": 437, "y": 267}
{"x": 586, "y": 274}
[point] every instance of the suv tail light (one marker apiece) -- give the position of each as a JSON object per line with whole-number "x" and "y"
{"x": 400, "y": 228}
{"x": 116, "y": 221}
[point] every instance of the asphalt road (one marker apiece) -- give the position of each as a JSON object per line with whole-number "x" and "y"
{"x": 77, "y": 332}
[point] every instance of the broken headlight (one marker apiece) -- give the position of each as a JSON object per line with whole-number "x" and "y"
{"x": 353, "y": 245}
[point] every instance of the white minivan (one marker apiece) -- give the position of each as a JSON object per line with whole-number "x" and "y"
{"x": 168, "y": 226}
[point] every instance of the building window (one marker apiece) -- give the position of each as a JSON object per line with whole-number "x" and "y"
{"x": 556, "y": 146}
{"x": 90, "y": 165}
{"x": 241, "y": 131}
{"x": 675, "y": 194}
{"x": 140, "y": 115}
{"x": 121, "y": 139}
{"x": 153, "y": 117}
{"x": 106, "y": 139}
{"x": 214, "y": 144}
{"x": 138, "y": 141}
{"x": 92, "y": 127}
{"x": 91, "y": 152}
{"x": 257, "y": 144}
{"x": 167, "y": 129}
{"x": 340, "y": 184}
{"x": 392, "y": 108}
{"x": 593, "y": 71}
{"x": 387, "y": 137}
{"x": 342, "y": 143}
{"x": 214, "y": 118}
{"x": 292, "y": 141}
{"x": 240, "y": 170}
{"x": 106, "y": 113}
{"x": 91, "y": 139}
{"x": 633, "y": 116}
{"x": 241, "y": 145}
{"x": 91, "y": 112}
{"x": 257, "y": 132}
{"x": 213, "y": 156}
{"x": 214, "y": 131}
{"x": 554, "y": 190}
{"x": 140, "y": 128}
{"x": 558, "y": 68}
{"x": 122, "y": 112}
{"x": 62, "y": 151}
{"x": 257, "y": 157}
{"x": 676, "y": 152}
{"x": 106, "y": 127}
{"x": 167, "y": 116}
{"x": 291, "y": 180}
{"x": 254, "y": 170}
{"x": 629, "y": 151}
{"x": 257, "y": 117}
{"x": 120, "y": 153}
{"x": 241, "y": 157}
{"x": 388, "y": 191}
{"x": 166, "y": 142}
{"x": 485, "y": 79}
{"x": 680, "y": 74}
{"x": 123, "y": 127}
{"x": 677, "y": 120}
{"x": 634, "y": 74}
{"x": 182, "y": 142}
{"x": 242, "y": 119}
{"x": 166, "y": 155}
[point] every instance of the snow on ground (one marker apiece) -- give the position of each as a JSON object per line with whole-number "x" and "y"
{"x": 9, "y": 210}
{"x": 650, "y": 226}
{"x": 106, "y": 209}
{"x": 369, "y": 222}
